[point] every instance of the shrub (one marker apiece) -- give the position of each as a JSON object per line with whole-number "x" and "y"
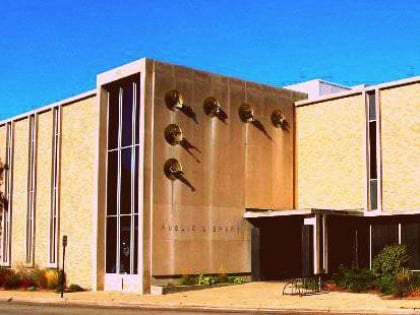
{"x": 75, "y": 288}
{"x": 206, "y": 280}
{"x": 385, "y": 284}
{"x": 188, "y": 280}
{"x": 38, "y": 277}
{"x": 355, "y": 280}
{"x": 390, "y": 260}
{"x": 26, "y": 282}
{"x": 4, "y": 274}
{"x": 403, "y": 282}
{"x": 12, "y": 281}
{"x": 51, "y": 278}
{"x": 236, "y": 280}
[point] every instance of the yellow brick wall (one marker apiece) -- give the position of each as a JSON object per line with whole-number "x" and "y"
{"x": 3, "y": 130}
{"x": 400, "y": 136}
{"x": 331, "y": 154}
{"x": 78, "y": 194}
{"x": 43, "y": 187}
{"x": 19, "y": 193}
{"x": 3, "y": 160}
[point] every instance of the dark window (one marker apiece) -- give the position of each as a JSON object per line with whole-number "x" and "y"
{"x": 122, "y": 178}
{"x": 113, "y": 118}
{"x": 125, "y": 207}
{"x": 127, "y": 114}
{"x": 125, "y": 244}
{"x": 112, "y": 183}
{"x": 54, "y": 186}
{"x": 137, "y": 114}
{"x": 410, "y": 235}
{"x": 111, "y": 244}
{"x": 372, "y": 106}
{"x": 373, "y": 189}
{"x": 383, "y": 235}
{"x": 136, "y": 180}
{"x": 372, "y": 149}
{"x": 136, "y": 241}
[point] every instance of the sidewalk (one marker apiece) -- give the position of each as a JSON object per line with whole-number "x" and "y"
{"x": 257, "y": 296}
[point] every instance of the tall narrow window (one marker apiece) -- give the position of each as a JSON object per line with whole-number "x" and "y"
{"x": 53, "y": 230}
{"x": 122, "y": 176}
{"x": 372, "y": 150}
{"x": 7, "y": 209}
{"x": 30, "y": 214}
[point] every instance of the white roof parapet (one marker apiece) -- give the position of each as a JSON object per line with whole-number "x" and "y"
{"x": 317, "y": 88}
{"x": 359, "y": 89}
{"x": 63, "y": 102}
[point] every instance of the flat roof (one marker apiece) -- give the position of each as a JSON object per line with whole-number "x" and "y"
{"x": 380, "y": 86}
{"x": 63, "y": 102}
{"x": 271, "y": 213}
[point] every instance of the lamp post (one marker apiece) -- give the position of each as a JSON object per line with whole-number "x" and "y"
{"x": 62, "y": 270}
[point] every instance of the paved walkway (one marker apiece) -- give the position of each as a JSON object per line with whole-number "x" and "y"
{"x": 264, "y": 296}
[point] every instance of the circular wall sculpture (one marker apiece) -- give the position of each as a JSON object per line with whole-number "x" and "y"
{"x": 174, "y": 100}
{"x": 278, "y": 119}
{"x": 211, "y": 106}
{"x": 246, "y": 113}
{"x": 173, "y": 134}
{"x": 172, "y": 169}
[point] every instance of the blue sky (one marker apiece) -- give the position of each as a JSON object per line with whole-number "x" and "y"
{"x": 51, "y": 50}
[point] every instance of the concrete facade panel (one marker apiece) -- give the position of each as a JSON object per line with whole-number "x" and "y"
{"x": 228, "y": 167}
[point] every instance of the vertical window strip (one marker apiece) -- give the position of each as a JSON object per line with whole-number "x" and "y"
{"x": 30, "y": 215}
{"x": 53, "y": 230}
{"x": 6, "y": 245}
{"x": 134, "y": 163}
{"x": 372, "y": 150}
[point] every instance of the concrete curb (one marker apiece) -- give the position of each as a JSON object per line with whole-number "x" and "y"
{"x": 209, "y": 309}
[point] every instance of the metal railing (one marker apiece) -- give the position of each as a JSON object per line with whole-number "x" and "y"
{"x": 301, "y": 286}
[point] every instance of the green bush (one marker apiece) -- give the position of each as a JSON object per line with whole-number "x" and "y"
{"x": 355, "y": 280}
{"x": 4, "y": 274}
{"x": 385, "y": 284}
{"x": 37, "y": 276}
{"x": 390, "y": 260}
{"x": 188, "y": 280}
{"x": 51, "y": 278}
{"x": 12, "y": 281}
{"x": 235, "y": 279}
{"x": 206, "y": 280}
{"x": 403, "y": 282}
{"x": 75, "y": 288}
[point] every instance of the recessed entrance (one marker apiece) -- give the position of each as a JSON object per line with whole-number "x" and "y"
{"x": 276, "y": 248}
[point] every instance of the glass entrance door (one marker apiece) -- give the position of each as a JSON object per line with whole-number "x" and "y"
{"x": 122, "y": 209}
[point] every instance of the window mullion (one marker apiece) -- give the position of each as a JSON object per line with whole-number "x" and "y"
{"x": 133, "y": 158}
{"x": 120, "y": 127}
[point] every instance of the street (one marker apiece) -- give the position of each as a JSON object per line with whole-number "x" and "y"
{"x": 37, "y": 309}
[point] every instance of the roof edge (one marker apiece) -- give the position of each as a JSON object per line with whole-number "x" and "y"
{"x": 381, "y": 86}
{"x": 63, "y": 102}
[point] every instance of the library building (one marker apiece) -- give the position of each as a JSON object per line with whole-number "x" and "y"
{"x": 163, "y": 171}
